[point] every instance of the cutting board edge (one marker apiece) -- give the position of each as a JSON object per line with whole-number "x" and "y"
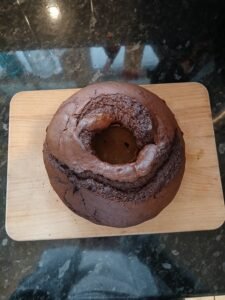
{"x": 49, "y": 237}
{"x": 200, "y": 85}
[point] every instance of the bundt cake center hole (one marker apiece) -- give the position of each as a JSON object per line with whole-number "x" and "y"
{"x": 115, "y": 145}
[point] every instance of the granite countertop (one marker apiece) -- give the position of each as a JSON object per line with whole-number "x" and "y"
{"x": 62, "y": 44}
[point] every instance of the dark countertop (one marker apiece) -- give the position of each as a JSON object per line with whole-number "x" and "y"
{"x": 62, "y": 44}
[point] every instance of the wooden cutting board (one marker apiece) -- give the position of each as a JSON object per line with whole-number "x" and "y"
{"x": 34, "y": 211}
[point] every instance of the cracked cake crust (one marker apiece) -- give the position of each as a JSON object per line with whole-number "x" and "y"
{"x": 118, "y": 195}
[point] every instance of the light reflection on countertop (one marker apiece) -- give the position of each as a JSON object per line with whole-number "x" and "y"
{"x": 52, "y": 44}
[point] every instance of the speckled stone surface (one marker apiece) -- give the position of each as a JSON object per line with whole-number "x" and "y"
{"x": 64, "y": 44}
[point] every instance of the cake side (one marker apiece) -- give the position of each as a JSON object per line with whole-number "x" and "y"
{"x": 117, "y": 195}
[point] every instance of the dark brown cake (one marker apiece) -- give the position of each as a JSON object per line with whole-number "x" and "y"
{"x": 138, "y": 171}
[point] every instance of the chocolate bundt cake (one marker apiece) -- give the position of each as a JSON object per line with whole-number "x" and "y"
{"x": 114, "y": 154}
